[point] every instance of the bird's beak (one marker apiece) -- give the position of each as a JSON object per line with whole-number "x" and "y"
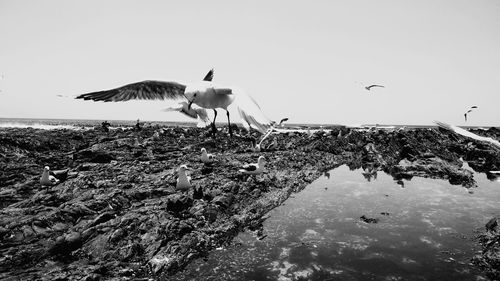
{"x": 189, "y": 104}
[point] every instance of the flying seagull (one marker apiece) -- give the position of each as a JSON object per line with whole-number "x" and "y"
{"x": 371, "y": 86}
{"x": 468, "y": 134}
{"x": 468, "y": 111}
{"x": 204, "y": 93}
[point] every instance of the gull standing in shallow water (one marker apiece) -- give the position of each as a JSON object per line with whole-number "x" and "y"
{"x": 254, "y": 168}
{"x": 204, "y": 93}
{"x": 183, "y": 181}
{"x": 47, "y": 179}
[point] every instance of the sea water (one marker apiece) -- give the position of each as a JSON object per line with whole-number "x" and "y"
{"x": 80, "y": 124}
{"x": 425, "y": 230}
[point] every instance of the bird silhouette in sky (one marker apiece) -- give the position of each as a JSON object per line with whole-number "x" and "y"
{"x": 468, "y": 111}
{"x": 372, "y": 86}
{"x": 369, "y": 87}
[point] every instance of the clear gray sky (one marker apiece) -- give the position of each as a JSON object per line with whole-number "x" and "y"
{"x": 298, "y": 59}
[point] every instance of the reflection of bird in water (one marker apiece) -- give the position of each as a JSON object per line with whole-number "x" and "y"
{"x": 369, "y": 172}
{"x": 205, "y": 94}
{"x": 465, "y": 133}
{"x": 493, "y": 175}
{"x": 401, "y": 183}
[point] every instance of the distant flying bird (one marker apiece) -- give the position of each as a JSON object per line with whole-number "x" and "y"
{"x": 282, "y": 121}
{"x": 468, "y": 134}
{"x": 205, "y": 94}
{"x": 371, "y": 86}
{"x": 468, "y": 111}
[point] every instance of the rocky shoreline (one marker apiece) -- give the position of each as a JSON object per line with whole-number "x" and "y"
{"x": 118, "y": 216}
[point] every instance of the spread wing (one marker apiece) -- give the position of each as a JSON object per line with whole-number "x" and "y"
{"x": 145, "y": 90}
{"x": 371, "y": 86}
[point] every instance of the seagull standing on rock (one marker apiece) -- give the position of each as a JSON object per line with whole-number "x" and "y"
{"x": 254, "y": 168}
{"x": 183, "y": 181}
{"x": 204, "y": 93}
{"x": 206, "y": 157}
{"x": 47, "y": 179}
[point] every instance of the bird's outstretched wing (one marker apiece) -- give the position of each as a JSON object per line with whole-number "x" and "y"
{"x": 145, "y": 90}
{"x": 474, "y": 106}
{"x": 371, "y": 86}
{"x": 210, "y": 76}
{"x": 468, "y": 134}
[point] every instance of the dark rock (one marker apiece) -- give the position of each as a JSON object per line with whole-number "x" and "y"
{"x": 120, "y": 216}
{"x": 178, "y": 202}
{"x": 368, "y": 220}
{"x": 492, "y": 225}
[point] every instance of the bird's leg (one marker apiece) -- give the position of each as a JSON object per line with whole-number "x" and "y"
{"x": 214, "y": 130}
{"x": 229, "y": 123}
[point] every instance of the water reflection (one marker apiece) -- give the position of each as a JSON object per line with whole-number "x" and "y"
{"x": 422, "y": 232}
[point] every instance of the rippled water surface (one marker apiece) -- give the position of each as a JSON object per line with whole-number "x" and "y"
{"x": 425, "y": 231}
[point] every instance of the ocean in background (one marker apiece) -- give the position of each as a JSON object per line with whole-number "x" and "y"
{"x": 80, "y": 124}
{"x": 85, "y": 124}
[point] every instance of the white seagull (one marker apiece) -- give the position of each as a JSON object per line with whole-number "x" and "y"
{"x": 47, "y": 179}
{"x": 468, "y": 134}
{"x": 206, "y": 157}
{"x": 183, "y": 181}
{"x": 254, "y": 168}
{"x": 202, "y": 93}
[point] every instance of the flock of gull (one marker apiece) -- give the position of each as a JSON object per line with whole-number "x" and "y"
{"x": 183, "y": 182}
{"x": 197, "y": 97}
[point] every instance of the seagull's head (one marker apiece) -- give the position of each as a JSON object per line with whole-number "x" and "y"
{"x": 183, "y": 168}
{"x": 192, "y": 93}
{"x": 46, "y": 168}
{"x": 191, "y": 96}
